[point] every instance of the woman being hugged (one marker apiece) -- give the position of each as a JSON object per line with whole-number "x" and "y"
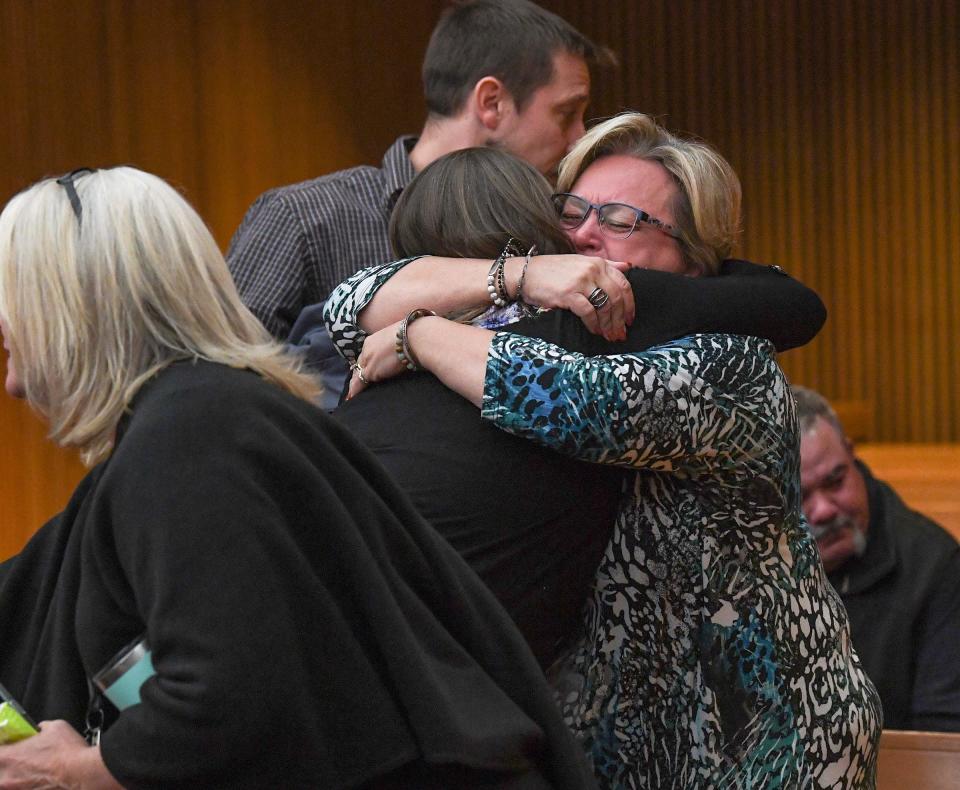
{"x": 293, "y": 621}
{"x": 714, "y": 652}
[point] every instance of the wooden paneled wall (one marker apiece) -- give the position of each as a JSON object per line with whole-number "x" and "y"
{"x": 224, "y": 98}
{"x": 842, "y": 117}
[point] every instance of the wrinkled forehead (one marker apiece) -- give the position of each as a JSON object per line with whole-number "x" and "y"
{"x": 621, "y": 178}
{"x": 823, "y": 451}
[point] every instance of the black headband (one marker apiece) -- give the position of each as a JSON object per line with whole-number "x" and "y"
{"x": 67, "y": 183}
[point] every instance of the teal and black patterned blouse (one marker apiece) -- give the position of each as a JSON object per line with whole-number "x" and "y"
{"x": 714, "y": 651}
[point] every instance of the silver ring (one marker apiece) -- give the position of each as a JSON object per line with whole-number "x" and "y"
{"x": 598, "y": 298}
{"x": 359, "y": 370}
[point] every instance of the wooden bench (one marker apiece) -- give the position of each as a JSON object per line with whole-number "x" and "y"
{"x": 926, "y": 476}
{"x": 918, "y": 760}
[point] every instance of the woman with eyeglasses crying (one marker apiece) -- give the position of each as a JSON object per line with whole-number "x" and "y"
{"x": 712, "y": 651}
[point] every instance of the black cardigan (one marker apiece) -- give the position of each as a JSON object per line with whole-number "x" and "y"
{"x": 746, "y": 299}
{"x": 308, "y": 628}
{"x": 531, "y": 522}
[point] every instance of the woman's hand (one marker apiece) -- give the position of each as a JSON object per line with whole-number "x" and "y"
{"x": 56, "y": 757}
{"x": 378, "y": 361}
{"x": 567, "y": 281}
{"x": 455, "y": 353}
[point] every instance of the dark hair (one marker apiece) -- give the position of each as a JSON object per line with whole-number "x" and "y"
{"x": 512, "y": 40}
{"x": 468, "y": 203}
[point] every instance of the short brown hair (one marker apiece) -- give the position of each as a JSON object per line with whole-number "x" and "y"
{"x": 512, "y": 40}
{"x": 468, "y": 203}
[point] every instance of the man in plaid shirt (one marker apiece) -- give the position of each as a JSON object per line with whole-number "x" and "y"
{"x": 496, "y": 72}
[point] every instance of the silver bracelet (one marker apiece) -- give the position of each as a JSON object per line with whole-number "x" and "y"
{"x": 404, "y": 354}
{"x": 523, "y": 273}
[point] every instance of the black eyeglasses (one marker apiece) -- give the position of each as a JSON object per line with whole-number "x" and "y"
{"x": 67, "y": 183}
{"x": 616, "y": 219}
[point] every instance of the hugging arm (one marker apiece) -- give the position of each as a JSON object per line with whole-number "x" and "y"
{"x": 344, "y": 305}
{"x": 669, "y": 408}
{"x": 663, "y": 409}
{"x": 381, "y": 295}
{"x": 746, "y": 299}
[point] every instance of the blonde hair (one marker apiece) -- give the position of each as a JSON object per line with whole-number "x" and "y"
{"x": 95, "y": 305}
{"x": 707, "y": 209}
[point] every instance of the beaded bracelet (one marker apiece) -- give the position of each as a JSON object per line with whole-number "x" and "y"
{"x": 523, "y": 272}
{"x": 404, "y": 354}
{"x": 496, "y": 279}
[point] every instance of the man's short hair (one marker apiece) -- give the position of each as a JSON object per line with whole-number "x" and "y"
{"x": 512, "y": 40}
{"x": 811, "y": 405}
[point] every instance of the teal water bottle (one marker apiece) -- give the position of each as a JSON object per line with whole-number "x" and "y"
{"x": 120, "y": 680}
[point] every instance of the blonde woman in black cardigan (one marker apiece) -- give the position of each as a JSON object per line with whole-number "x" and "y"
{"x": 293, "y": 621}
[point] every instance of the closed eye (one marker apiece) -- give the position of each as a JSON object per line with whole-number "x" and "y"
{"x": 619, "y": 224}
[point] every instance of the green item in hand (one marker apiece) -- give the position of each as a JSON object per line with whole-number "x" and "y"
{"x": 13, "y": 726}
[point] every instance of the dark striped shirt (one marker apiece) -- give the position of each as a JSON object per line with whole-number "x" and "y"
{"x": 298, "y": 242}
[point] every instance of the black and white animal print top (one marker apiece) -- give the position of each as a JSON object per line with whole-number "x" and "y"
{"x": 714, "y": 652}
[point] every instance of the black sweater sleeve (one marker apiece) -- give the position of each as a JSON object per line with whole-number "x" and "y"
{"x": 746, "y": 299}
{"x": 308, "y": 628}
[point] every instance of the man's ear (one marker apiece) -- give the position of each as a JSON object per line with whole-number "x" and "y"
{"x": 849, "y": 444}
{"x": 490, "y": 98}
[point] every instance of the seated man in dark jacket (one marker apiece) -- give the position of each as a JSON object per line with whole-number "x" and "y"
{"x": 897, "y": 572}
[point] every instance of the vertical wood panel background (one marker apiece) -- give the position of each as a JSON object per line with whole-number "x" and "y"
{"x": 841, "y": 116}
{"x": 843, "y": 120}
{"x": 224, "y": 98}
